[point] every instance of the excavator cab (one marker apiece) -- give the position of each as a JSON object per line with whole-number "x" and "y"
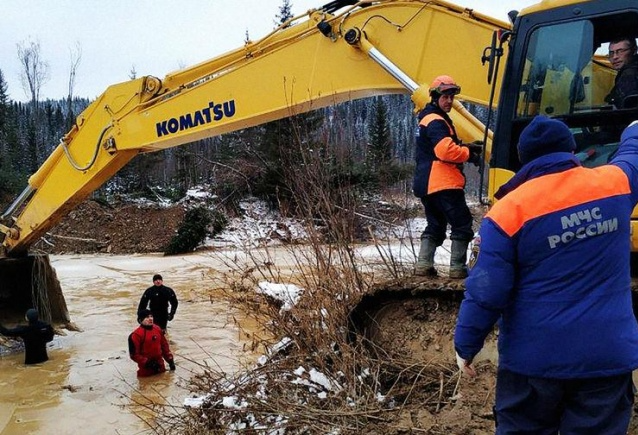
{"x": 558, "y": 67}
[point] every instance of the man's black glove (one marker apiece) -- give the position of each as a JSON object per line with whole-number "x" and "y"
{"x": 476, "y": 146}
{"x": 153, "y": 365}
{"x": 475, "y": 158}
{"x": 171, "y": 365}
{"x": 170, "y": 316}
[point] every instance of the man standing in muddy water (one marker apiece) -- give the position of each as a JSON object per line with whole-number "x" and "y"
{"x": 148, "y": 347}
{"x": 35, "y": 336}
{"x": 553, "y": 269}
{"x": 161, "y": 300}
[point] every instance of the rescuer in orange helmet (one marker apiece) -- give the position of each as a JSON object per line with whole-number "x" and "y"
{"x": 439, "y": 180}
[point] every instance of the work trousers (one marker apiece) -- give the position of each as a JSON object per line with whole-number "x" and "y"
{"x": 443, "y": 208}
{"x": 541, "y": 406}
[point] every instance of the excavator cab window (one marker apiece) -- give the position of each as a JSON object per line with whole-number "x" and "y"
{"x": 567, "y": 75}
{"x": 553, "y": 83}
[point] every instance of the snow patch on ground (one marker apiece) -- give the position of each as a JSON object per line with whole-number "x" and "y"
{"x": 287, "y": 294}
{"x": 258, "y": 226}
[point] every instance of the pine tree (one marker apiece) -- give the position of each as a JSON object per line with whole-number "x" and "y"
{"x": 4, "y": 104}
{"x": 280, "y": 141}
{"x": 5, "y": 161}
{"x": 285, "y": 12}
{"x": 379, "y": 140}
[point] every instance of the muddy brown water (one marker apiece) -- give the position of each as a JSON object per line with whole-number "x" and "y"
{"x": 89, "y": 385}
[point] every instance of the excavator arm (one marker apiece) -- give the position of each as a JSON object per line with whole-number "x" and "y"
{"x": 312, "y": 61}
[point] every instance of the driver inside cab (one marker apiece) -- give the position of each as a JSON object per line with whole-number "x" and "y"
{"x": 623, "y": 59}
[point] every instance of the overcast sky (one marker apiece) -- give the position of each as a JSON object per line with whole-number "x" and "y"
{"x": 155, "y": 37}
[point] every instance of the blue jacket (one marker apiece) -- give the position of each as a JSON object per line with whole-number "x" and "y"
{"x": 439, "y": 155}
{"x": 553, "y": 269}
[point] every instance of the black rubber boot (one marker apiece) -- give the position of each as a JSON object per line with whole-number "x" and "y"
{"x": 458, "y": 258}
{"x": 425, "y": 263}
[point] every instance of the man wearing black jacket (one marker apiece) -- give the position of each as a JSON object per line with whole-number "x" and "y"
{"x": 623, "y": 58}
{"x": 161, "y": 300}
{"x": 35, "y": 336}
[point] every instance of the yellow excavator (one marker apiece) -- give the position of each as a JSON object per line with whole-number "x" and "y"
{"x": 548, "y": 60}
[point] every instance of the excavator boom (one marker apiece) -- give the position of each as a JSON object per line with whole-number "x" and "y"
{"x": 312, "y": 61}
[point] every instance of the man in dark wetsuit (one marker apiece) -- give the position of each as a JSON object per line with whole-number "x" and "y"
{"x": 35, "y": 336}
{"x": 157, "y": 298}
{"x": 623, "y": 58}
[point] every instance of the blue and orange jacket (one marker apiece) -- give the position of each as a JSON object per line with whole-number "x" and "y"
{"x": 439, "y": 156}
{"x": 553, "y": 269}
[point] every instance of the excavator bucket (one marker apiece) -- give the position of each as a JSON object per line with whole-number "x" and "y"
{"x": 31, "y": 282}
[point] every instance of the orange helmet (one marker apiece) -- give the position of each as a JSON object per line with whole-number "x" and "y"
{"x": 444, "y": 85}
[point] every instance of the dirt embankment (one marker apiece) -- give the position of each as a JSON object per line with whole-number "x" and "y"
{"x": 421, "y": 330}
{"x": 125, "y": 229}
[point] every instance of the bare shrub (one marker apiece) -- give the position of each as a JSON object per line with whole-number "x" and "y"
{"x": 316, "y": 378}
